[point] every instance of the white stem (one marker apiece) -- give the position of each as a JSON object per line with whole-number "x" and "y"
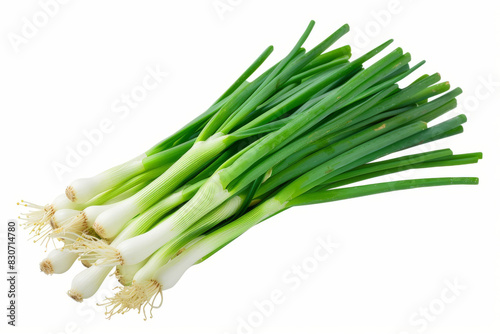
{"x": 62, "y": 202}
{"x": 82, "y": 190}
{"x": 110, "y": 222}
{"x": 169, "y": 274}
{"x": 58, "y": 261}
{"x": 87, "y": 282}
{"x": 92, "y": 212}
{"x": 125, "y": 274}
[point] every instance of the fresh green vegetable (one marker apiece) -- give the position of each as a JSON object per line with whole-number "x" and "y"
{"x": 297, "y": 134}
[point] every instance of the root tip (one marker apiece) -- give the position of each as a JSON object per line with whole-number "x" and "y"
{"x": 46, "y": 267}
{"x": 86, "y": 263}
{"x": 99, "y": 230}
{"x": 77, "y": 296}
{"x": 70, "y": 193}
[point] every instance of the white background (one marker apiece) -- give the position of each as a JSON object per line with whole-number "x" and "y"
{"x": 396, "y": 251}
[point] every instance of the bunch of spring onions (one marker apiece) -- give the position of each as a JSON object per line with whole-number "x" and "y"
{"x": 300, "y": 133}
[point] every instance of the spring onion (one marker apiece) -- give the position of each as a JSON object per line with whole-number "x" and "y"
{"x": 303, "y": 132}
